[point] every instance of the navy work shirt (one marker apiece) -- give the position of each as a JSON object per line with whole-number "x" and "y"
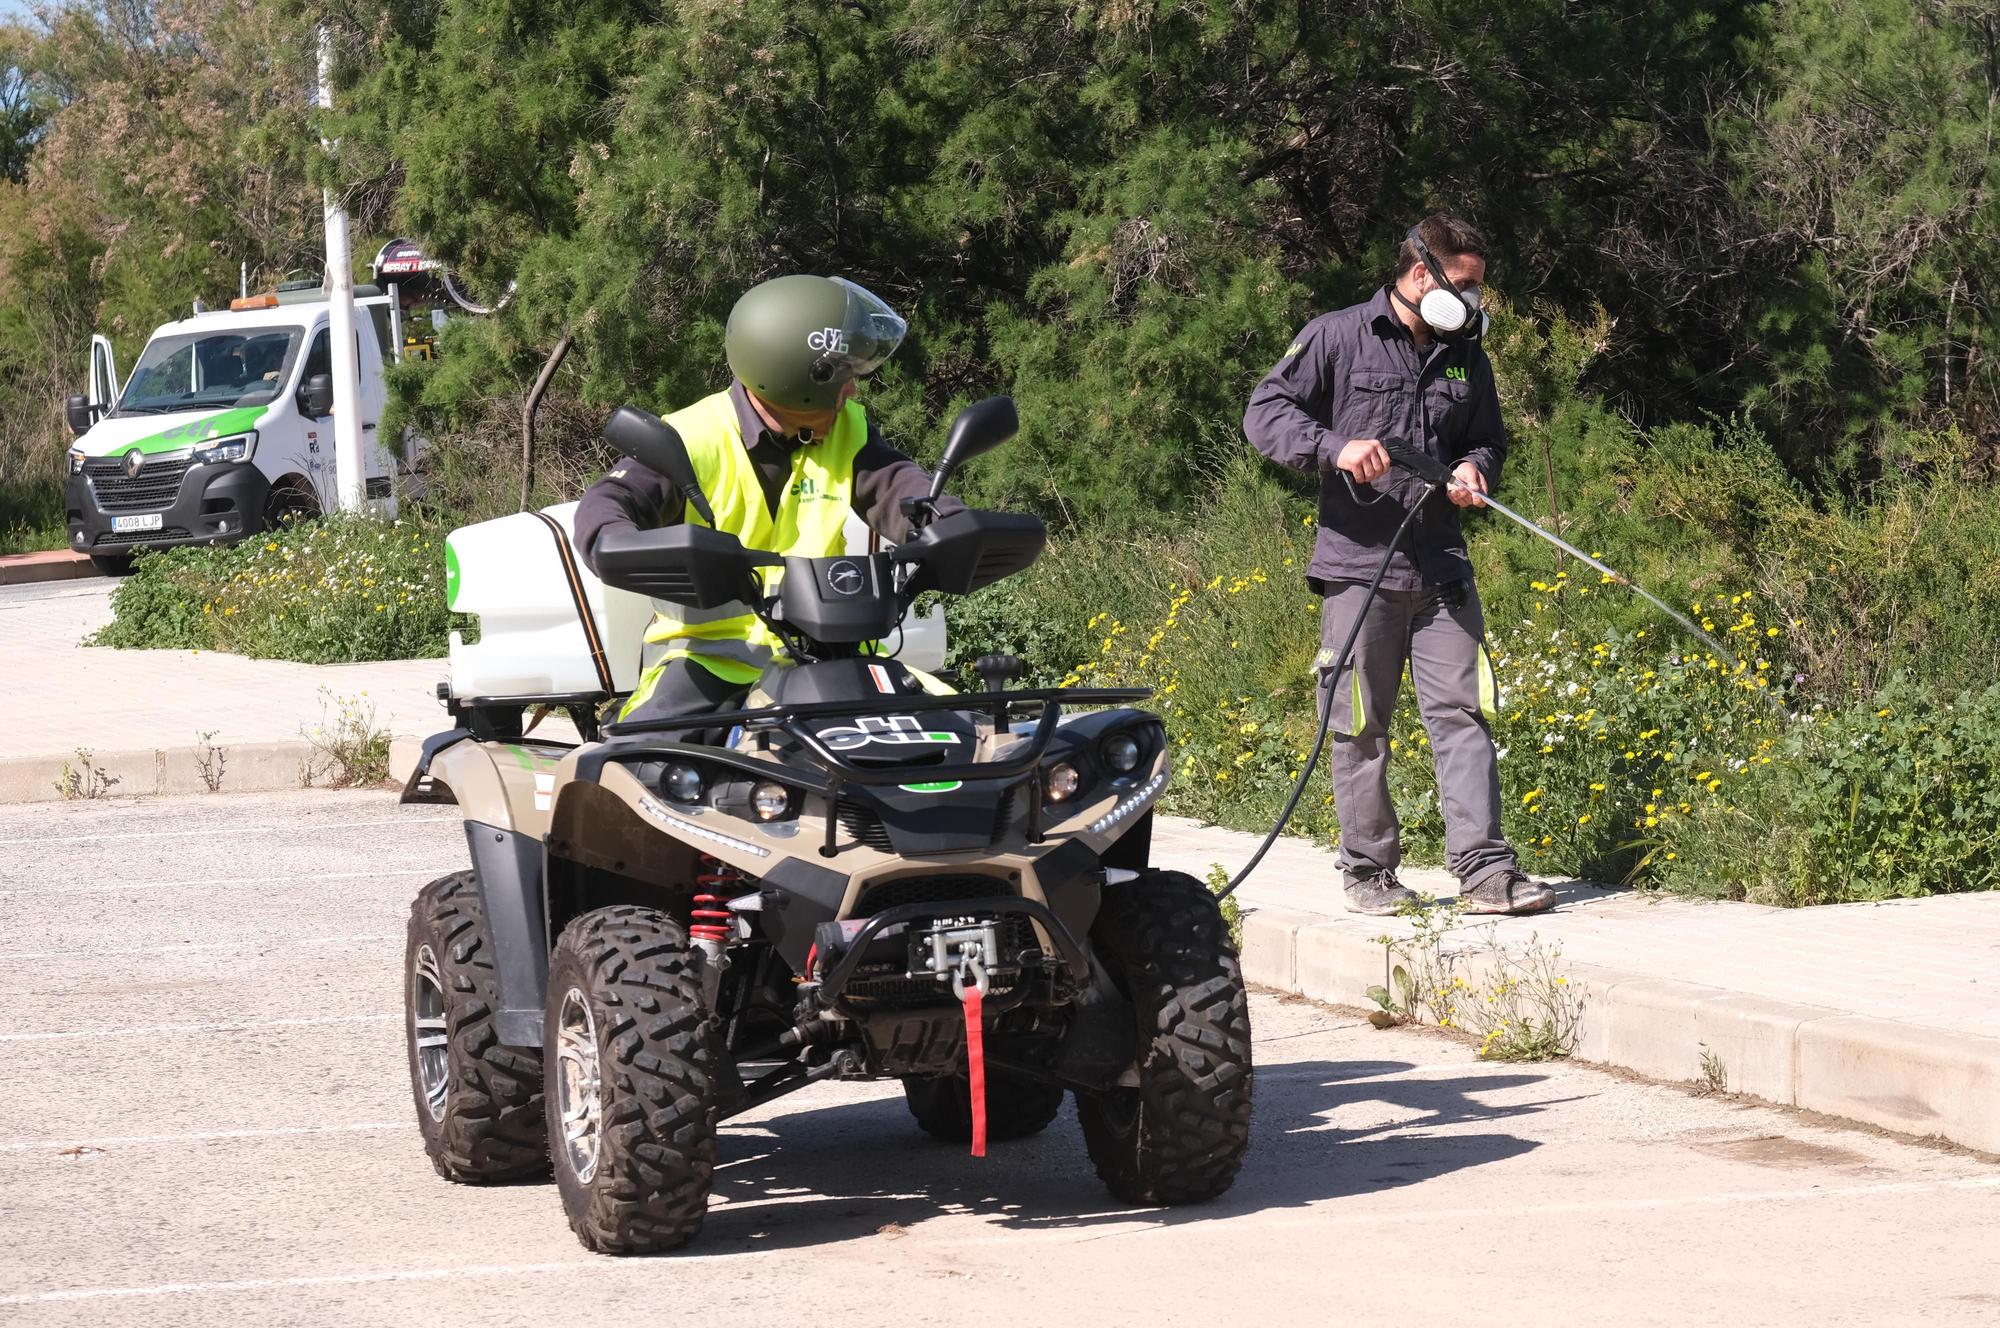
{"x": 1357, "y": 373}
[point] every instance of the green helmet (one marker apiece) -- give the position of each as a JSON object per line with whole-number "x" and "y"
{"x": 795, "y": 340}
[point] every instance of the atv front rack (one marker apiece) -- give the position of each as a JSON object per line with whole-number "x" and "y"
{"x": 625, "y": 741}
{"x": 999, "y": 703}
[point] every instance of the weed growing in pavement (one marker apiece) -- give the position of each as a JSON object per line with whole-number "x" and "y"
{"x": 209, "y": 760}
{"x": 1521, "y": 1008}
{"x": 1714, "y": 1076}
{"x": 1425, "y": 984}
{"x": 1232, "y": 913}
{"x": 1526, "y": 1010}
{"x": 85, "y": 779}
{"x": 348, "y": 750}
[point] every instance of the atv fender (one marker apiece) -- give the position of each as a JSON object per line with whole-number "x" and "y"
{"x": 507, "y": 866}
{"x": 502, "y": 787}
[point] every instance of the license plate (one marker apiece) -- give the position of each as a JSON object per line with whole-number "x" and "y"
{"x": 144, "y": 521}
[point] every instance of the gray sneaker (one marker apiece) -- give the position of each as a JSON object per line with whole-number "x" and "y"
{"x": 1378, "y": 895}
{"x": 1507, "y": 892}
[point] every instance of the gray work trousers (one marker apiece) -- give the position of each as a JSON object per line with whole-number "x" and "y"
{"x": 1440, "y": 633}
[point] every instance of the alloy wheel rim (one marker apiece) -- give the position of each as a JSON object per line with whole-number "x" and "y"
{"x": 429, "y": 1033}
{"x": 578, "y": 1083}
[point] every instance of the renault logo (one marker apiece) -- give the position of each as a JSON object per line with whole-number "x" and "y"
{"x": 133, "y": 460}
{"x": 845, "y": 578}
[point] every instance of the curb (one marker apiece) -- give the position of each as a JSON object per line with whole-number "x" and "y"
{"x": 248, "y": 767}
{"x": 21, "y": 569}
{"x": 1903, "y": 1077}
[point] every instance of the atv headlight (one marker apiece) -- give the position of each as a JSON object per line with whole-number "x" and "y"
{"x": 76, "y": 461}
{"x": 682, "y": 782}
{"x": 1063, "y": 782}
{"x": 236, "y": 447}
{"x": 1121, "y": 752}
{"x": 770, "y": 801}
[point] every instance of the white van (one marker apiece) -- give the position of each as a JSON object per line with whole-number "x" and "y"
{"x": 224, "y": 428}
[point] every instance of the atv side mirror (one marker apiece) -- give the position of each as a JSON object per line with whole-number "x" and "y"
{"x": 655, "y": 444}
{"x": 316, "y": 397}
{"x": 979, "y": 428}
{"x": 78, "y": 410}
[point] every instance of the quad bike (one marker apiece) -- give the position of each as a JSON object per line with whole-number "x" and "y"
{"x": 851, "y": 877}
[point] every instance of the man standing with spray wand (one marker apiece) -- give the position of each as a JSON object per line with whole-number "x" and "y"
{"x": 1406, "y": 365}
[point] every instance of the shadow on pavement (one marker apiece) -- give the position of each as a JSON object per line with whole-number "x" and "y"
{"x": 822, "y": 1175}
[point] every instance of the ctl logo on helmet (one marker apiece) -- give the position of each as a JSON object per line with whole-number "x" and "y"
{"x": 888, "y": 730}
{"x": 828, "y": 339}
{"x": 133, "y": 461}
{"x": 845, "y": 578}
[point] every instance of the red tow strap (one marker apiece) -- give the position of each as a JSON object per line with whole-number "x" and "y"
{"x": 975, "y": 1065}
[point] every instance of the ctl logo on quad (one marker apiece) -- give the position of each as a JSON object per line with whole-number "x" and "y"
{"x": 845, "y": 578}
{"x": 886, "y": 731}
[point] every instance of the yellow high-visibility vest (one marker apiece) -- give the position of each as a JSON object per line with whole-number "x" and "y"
{"x": 810, "y": 522}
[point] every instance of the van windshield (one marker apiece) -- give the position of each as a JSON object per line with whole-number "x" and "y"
{"x": 204, "y": 370}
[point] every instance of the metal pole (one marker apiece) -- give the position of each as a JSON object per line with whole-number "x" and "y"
{"x": 347, "y": 462}
{"x": 243, "y": 279}
{"x": 396, "y": 321}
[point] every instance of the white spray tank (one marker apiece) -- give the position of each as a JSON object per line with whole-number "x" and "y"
{"x": 515, "y": 575}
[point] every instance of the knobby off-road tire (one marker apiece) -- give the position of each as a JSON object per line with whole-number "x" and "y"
{"x": 624, "y": 982}
{"x": 1180, "y": 1135}
{"x": 1016, "y": 1107}
{"x": 479, "y": 1102}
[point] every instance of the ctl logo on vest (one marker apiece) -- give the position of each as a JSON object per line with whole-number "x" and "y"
{"x": 828, "y": 339}
{"x": 1456, "y": 373}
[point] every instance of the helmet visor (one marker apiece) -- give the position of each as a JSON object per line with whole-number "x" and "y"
{"x": 868, "y": 334}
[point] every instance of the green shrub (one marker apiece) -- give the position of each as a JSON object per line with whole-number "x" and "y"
{"x": 31, "y": 518}
{"x": 338, "y": 590}
{"x": 1629, "y": 751}
{"x": 1895, "y": 796}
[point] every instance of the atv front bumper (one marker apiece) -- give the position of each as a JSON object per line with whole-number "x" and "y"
{"x": 195, "y": 502}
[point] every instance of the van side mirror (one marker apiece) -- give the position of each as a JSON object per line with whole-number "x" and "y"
{"x": 316, "y": 397}
{"x": 657, "y": 445}
{"x": 979, "y": 428}
{"x": 79, "y": 413}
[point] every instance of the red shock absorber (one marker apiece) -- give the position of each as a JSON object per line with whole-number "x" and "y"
{"x": 710, "y": 918}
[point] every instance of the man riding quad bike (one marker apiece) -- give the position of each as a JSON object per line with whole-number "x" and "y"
{"x": 793, "y": 859}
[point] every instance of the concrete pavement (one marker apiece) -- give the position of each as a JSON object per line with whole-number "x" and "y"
{"x": 205, "y": 1118}
{"x": 22, "y": 569}
{"x": 1880, "y": 1013}
{"x": 140, "y": 713}
{"x": 1883, "y": 1013}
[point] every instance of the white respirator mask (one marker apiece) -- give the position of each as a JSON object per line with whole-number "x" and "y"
{"x": 1453, "y": 314}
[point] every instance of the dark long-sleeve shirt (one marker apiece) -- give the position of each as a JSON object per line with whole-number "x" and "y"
{"x": 633, "y": 495}
{"x": 1357, "y": 373}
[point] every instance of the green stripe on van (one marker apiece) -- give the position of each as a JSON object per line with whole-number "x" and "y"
{"x": 189, "y": 432}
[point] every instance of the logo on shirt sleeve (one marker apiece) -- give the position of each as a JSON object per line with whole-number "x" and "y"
{"x": 1292, "y": 350}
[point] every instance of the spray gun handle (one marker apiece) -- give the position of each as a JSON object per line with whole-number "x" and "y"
{"x": 1420, "y": 463}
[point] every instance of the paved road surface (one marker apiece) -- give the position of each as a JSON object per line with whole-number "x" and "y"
{"x": 137, "y": 700}
{"x": 204, "y": 1118}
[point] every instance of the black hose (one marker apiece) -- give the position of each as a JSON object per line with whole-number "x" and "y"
{"x": 1326, "y": 715}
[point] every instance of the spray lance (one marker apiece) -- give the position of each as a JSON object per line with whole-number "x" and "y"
{"x": 1435, "y": 475}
